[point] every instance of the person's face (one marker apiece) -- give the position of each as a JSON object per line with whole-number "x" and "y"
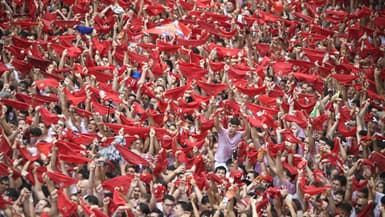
{"x": 153, "y": 214}
{"x": 367, "y": 172}
{"x": 92, "y": 126}
{"x": 205, "y": 206}
{"x": 229, "y": 7}
{"x": 3, "y": 186}
{"x": 43, "y": 128}
{"x": 136, "y": 193}
{"x": 336, "y": 185}
{"x": 380, "y": 187}
{"x": 341, "y": 213}
{"x": 82, "y": 186}
{"x": 250, "y": 177}
{"x": 338, "y": 198}
{"x": 221, "y": 173}
{"x": 131, "y": 171}
{"x": 360, "y": 205}
{"x": 232, "y": 129}
{"x": 137, "y": 144}
{"x": 168, "y": 207}
{"x": 41, "y": 204}
{"x": 178, "y": 210}
{"x": 75, "y": 199}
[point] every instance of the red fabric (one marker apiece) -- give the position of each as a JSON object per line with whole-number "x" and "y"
{"x": 122, "y": 182}
{"x": 58, "y": 177}
{"x": 44, "y": 148}
{"x": 366, "y": 212}
{"x": 4, "y": 144}
{"x": 40, "y": 63}
{"x": 65, "y": 206}
{"x": 344, "y": 78}
{"x": 359, "y": 184}
{"x": 176, "y": 93}
{"x": 41, "y": 84}
{"x": 48, "y": 117}
{"x": 251, "y": 91}
{"x": 161, "y": 163}
{"x": 131, "y": 157}
{"x": 22, "y": 66}
{"x": 310, "y": 189}
{"x": 15, "y": 104}
{"x": 295, "y": 118}
{"x": 378, "y": 159}
{"x": 257, "y": 108}
{"x": 212, "y": 89}
{"x": 267, "y": 100}
{"x": 282, "y": 68}
{"x": 3, "y": 169}
{"x": 74, "y": 159}
{"x": 319, "y": 121}
{"x": 192, "y": 71}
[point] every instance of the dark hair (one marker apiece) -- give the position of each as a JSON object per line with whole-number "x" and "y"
{"x": 135, "y": 167}
{"x": 220, "y": 168}
{"x": 339, "y": 192}
{"x": 186, "y": 206}
{"x": 12, "y": 193}
{"x": 35, "y": 131}
{"x": 84, "y": 172}
{"x": 235, "y": 121}
{"x": 341, "y": 179}
{"x": 91, "y": 199}
{"x": 169, "y": 197}
{"x": 205, "y": 200}
{"x": 4, "y": 178}
{"x": 206, "y": 213}
{"x": 365, "y": 191}
{"x": 144, "y": 208}
{"x": 347, "y": 207}
{"x": 157, "y": 211}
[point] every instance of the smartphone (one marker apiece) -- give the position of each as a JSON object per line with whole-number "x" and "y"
{"x": 235, "y": 154}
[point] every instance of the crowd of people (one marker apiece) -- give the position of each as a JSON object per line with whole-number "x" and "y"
{"x": 182, "y": 108}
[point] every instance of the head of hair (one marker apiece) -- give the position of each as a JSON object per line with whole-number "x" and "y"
{"x": 169, "y": 197}
{"x": 235, "y": 121}
{"x": 186, "y": 206}
{"x": 12, "y": 193}
{"x": 144, "y": 208}
{"x": 365, "y": 191}
{"x": 346, "y": 207}
{"x": 339, "y": 192}
{"x": 206, "y": 213}
{"x": 220, "y": 168}
{"x": 205, "y": 200}
{"x": 341, "y": 179}
{"x": 157, "y": 211}
{"x": 92, "y": 199}
{"x": 35, "y": 131}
